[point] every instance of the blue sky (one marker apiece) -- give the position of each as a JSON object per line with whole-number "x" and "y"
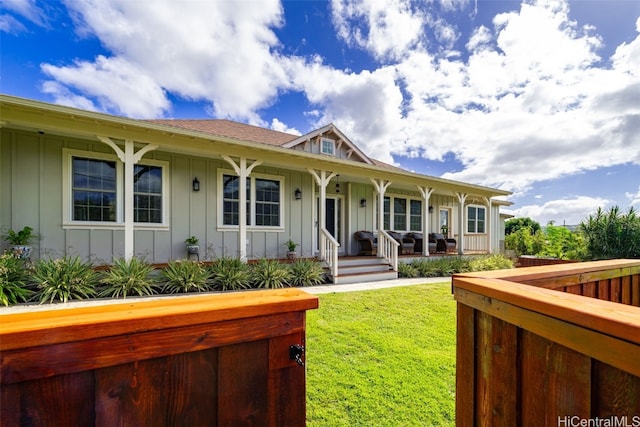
{"x": 541, "y": 98}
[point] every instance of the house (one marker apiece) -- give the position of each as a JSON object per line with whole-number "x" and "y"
{"x": 101, "y": 186}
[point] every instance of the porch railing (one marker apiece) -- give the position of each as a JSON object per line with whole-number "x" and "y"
{"x": 553, "y": 345}
{"x": 388, "y": 249}
{"x": 329, "y": 251}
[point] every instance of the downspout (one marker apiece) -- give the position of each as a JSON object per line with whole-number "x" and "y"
{"x": 129, "y": 158}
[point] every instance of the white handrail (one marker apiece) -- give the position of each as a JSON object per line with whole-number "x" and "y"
{"x": 329, "y": 251}
{"x": 388, "y": 249}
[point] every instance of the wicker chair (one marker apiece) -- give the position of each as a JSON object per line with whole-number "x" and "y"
{"x": 368, "y": 243}
{"x": 444, "y": 244}
{"x": 406, "y": 243}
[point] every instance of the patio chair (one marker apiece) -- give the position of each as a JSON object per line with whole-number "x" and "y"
{"x": 406, "y": 243}
{"x": 368, "y": 243}
{"x": 419, "y": 238}
{"x": 444, "y": 244}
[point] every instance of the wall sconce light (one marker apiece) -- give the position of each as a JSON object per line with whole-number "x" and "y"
{"x": 363, "y": 203}
{"x": 195, "y": 184}
{"x": 430, "y": 209}
{"x": 298, "y": 194}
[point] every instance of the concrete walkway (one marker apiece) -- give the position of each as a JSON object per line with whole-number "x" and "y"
{"x": 327, "y": 289}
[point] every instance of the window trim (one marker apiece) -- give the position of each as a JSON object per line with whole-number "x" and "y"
{"x": 332, "y": 144}
{"x": 251, "y": 226}
{"x": 67, "y": 189}
{"x": 475, "y": 221}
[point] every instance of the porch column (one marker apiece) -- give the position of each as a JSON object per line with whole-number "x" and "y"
{"x": 322, "y": 180}
{"x": 129, "y": 157}
{"x": 488, "y": 228}
{"x": 426, "y": 195}
{"x": 243, "y": 173}
{"x": 462, "y": 197}
{"x": 381, "y": 186}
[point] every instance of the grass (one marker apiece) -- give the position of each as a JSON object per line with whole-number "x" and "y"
{"x": 382, "y": 358}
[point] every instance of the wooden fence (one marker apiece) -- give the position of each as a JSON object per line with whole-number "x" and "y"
{"x": 202, "y": 360}
{"x": 549, "y": 346}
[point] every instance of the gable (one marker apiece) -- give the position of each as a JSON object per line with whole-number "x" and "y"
{"x": 329, "y": 141}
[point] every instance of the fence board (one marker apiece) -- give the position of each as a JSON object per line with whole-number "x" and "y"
{"x": 574, "y": 356}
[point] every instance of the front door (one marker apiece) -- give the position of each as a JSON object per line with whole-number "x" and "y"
{"x": 333, "y": 219}
{"x": 445, "y": 222}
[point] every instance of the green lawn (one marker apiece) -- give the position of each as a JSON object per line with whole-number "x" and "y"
{"x": 382, "y": 358}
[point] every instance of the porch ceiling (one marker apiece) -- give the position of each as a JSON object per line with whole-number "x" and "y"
{"x": 46, "y": 118}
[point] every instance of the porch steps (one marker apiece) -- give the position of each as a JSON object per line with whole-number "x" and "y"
{"x": 363, "y": 269}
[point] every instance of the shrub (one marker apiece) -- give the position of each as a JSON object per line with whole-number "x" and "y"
{"x": 407, "y": 270}
{"x": 64, "y": 279}
{"x": 270, "y": 274}
{"x": 184, "y": 276}
{"x": 612, "y": 234}
{"x": 229, "y": 274}
{"x": 126, "y": 278}
{"x": 490, "y": 262}
{"x": 13, "y": 280}
{"x": 305, "y": 272}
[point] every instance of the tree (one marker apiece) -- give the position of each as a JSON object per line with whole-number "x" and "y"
{"x": 612, "y": 234}
{"x": 525, "y": 242}
{"x": 515, "y": 224}
{"x": 562, "y": 243}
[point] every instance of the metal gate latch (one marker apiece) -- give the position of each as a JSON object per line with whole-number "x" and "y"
{"x": 296, "y": 352}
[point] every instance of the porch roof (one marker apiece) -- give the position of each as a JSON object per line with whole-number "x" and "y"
{"x": 230, "y": 139}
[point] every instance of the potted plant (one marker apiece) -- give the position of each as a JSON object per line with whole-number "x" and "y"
{"x": 291, "y": 249}
{"x": 19, "y": 241}
{"x": 444, "y": 230}
{"x": 192, "y": 246}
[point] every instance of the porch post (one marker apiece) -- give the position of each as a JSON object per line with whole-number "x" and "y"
{"x": 381, "y": 186}
{"x": 426, "y": 195}
{"x": 129, "y": 158}
{"x": 322, "y": 180}
{"x": 243, "y": 173}
{"x": 462, "y": 197}
{"x": 488, "y": 227}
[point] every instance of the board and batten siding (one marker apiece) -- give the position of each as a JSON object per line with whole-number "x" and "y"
{"x": 31, "y": 193}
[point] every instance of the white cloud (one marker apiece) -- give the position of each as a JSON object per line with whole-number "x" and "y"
{"x": 565, "y": 211}
{"x": 282, "y": 127}
{"x": 386, "y": 28}
{"x": 221, "y": 52}
{"x": 111, "y": 81}
{"x": 634, "y": 198}
{"x": 27, "y": 9}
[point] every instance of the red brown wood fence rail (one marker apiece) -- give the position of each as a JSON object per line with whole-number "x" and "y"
{"x": 528, "y": 355}
{"x": 203, "y": 360}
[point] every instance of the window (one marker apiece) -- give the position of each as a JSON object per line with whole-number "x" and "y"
{"x": 264, "y": 195}
{"x": 415, "y": 215}
{"x": 94, "y": 190}
{"x": 476, "y": 219}
{"x": 399, "y": 214}
{"x": 147, "y": 194}
{"x": 403, "y": 219}
{"x": 327, "y": 146}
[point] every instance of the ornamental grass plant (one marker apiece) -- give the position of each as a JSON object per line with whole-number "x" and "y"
{"x": 128, "y": 278}
{"x": 184, "y": 276}
{"x": 13, "y": 280}
{"x": 64, "y": 279}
